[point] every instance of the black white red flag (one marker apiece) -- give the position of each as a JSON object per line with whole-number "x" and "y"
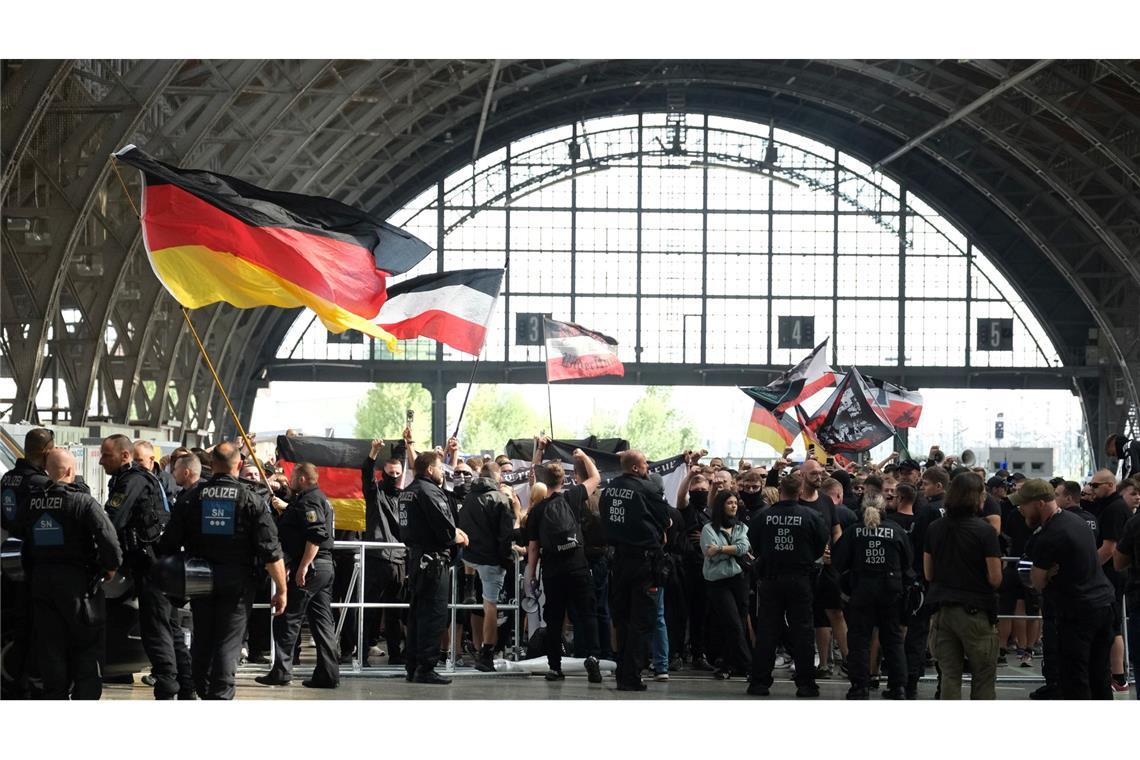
{"x": 573, "y": 352}
{"x": 450, "y": 307}
{"x": 901, "y": 407}
{"x": 852, "y": 424}
{"x": 797, "y": 384}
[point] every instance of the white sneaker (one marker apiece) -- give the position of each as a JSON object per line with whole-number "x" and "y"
{"x": 660, "y": 676}
{"x": 783, "y": 661}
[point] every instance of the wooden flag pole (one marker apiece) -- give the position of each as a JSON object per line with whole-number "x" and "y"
{"x": 226, "y": 397}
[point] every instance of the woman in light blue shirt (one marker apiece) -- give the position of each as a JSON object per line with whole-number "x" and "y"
{"x": 724, "y": 542}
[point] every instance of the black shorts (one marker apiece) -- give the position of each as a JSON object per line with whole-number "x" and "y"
{"x": 1012, "y": 590}
{"x": 826, "y": 597}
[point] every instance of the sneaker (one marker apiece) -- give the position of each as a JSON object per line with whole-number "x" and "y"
{"x": 1024, "y": 658}
{"x": 660, "y": 676}
{"x": 808, "y": 692}
{"x": 783, "y": 661}
{"x": 485, "y": 660}
{"x": 1118, "y": 687}
{"x": 594, "y": 672}
{"x": 1002, "y": 659}
{"x": 758, "y": 690}
{"x": 823, "y": 672}
{"x": 554, "y": 675}
{"x": 898, "y": 693}
{"x": 854, "y": 693}
{"x": 676, "y": 664}
{"x": 375, "y": 651}
{"x": 149, "y": 680}
{"x": 843, "y": 668}
{"x": 874, "y": 682}
{"x": 701, "y": 663}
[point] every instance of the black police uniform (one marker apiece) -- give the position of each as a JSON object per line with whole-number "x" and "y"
{"x": 385, "y": 575}
{"x": 880, "y": 561}
{"x": 635, "y": 515}
{"x": 16, "y": 486}
{"x": 138, "y": 509}
{"x": 788, "y": 541}
{"x": 427, "y": 528}
{"x": 307, "y": 520}
{"x": 70, "y": 545}
{"x": 1082, "y": 601}
{"x": 566, "y": 581}
{"x": 224, "y": 523}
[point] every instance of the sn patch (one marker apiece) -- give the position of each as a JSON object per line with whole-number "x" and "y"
{"x": 218, "y": 517}
{"x": 47, "y": 532}
{"x": 8, "y": 500}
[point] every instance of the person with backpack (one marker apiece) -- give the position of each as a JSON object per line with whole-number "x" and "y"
{"x": 554, "y": 538}
{"x": 138, "y": 509}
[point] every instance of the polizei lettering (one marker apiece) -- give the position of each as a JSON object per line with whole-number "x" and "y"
{"x": 46, "y": 502}
{"x": 866, "y": 532}
{"x": 229, "y": 493}
{"x": 783, "y": 520}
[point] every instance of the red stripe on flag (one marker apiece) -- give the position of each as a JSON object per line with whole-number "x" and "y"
{"x": 334, "y": 482}
{"x": 444, "y": 327}
{"x": 335, "y": 270}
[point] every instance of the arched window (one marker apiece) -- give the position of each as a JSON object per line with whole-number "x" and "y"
{"x": 698, "y": 239}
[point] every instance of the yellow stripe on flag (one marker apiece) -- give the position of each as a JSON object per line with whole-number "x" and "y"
{"x": 197, "y": 276}
{"x": 348, "y": 514}
{"x": 764, "y": 427}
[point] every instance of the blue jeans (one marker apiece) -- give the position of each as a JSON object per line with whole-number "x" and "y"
{"x": 660, "y": 636}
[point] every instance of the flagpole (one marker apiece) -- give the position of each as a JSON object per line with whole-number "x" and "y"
{"x": 546, "y": 367}
{"x": 478, "y": 358}
{"x": 226, "y": 398}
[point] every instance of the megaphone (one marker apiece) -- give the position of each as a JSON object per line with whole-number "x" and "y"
{"x": 968, "y": 458}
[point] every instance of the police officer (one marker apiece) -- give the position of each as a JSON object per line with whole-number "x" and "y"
{"x": 427, "y": 527}
{"x": 306, "y": 531}
{"x": 28, "y": 475}
{"x": 16, "y": 485}
{"x": 1067, "y": 569}
{"x": 223, "y": 523}
{"x": 635, "y": 515}
{"x": 70, "y": 549}
{"x": 877, "y": 555}
{"x": 788, "y": 542}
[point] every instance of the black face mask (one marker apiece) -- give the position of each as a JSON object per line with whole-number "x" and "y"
{"x": 389, "y": 483}
{"x": 699, "y": 499}
{"x": 752, "y": 499}
{"x": 461, "y": 488}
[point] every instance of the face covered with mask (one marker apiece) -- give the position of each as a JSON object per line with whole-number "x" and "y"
{"x": 751, "y": 493}
{"x": 698, "y": 492}
{"x": 461, "y": 481}
{"x": 390, "y": 477}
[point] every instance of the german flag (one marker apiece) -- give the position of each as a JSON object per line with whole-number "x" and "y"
{"x": 216, "y": 238}
{"x": 338, "y": 462}
{"x": 777, "y": 429}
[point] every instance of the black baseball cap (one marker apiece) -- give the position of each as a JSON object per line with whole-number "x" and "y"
{"x": 1018, "y": 476}
{"x": 910, "y": 464}
{"x": 996, "y": 482}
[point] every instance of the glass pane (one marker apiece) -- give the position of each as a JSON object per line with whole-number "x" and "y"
{"x": 737, "y": 331}
{"x": 671, "y": 330}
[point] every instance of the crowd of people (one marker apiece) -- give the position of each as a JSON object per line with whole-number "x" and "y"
{"x": 872, "y": 573}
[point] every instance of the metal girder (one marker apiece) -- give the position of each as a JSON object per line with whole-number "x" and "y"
{"x": 36, "y": 83}
{"x": 390, "y": 371}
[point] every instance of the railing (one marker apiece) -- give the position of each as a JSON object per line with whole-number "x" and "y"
{"x": 356, "y": 583}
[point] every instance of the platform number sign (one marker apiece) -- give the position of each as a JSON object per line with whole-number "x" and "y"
{"x": 995, "y": 334}
{"x": 528, "y": 329}
{"x": 351, "y": 337}
{"x": 797, "y": 332}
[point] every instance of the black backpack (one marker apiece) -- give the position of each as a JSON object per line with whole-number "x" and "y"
{"x": 560, "y": 530}
{"x": 152, "y": 514}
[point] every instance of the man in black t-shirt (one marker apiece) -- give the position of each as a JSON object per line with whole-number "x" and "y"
{"x": 553, "y": 540}
{"x": 962, "y": 562}
{"x": 1112, "y": 512}
{"x": 1065, "y": 567}
{"x": 828, "y": 603}
{"x": 1127, "y": 557}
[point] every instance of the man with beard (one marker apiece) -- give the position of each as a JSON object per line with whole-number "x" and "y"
{"x": 1066, "y": 568}
{"x": 828, "y": 609}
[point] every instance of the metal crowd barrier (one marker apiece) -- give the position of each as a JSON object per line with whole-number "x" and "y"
{"x": 356, "y": 584}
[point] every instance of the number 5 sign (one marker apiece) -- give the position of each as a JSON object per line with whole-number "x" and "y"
{"x": 995, "y": 334}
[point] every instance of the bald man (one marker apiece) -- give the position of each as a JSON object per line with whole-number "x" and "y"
{"x": 70, "y": 545}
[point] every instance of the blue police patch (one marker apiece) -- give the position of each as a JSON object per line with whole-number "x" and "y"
{"x": 218, "y": 517}
{"x": 47, "y": 532}
{"x": 8, "y": 500}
